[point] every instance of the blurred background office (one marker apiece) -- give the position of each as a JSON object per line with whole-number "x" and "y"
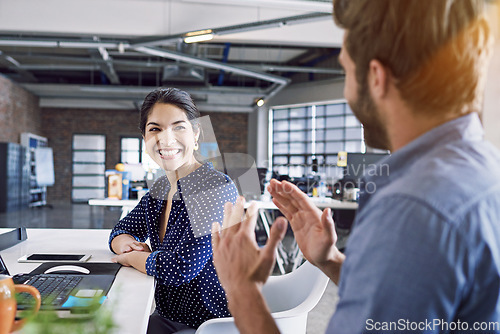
{"x": 73, "y": 76}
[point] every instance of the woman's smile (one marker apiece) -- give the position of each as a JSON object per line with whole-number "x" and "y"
{"x": 169, "y": 153}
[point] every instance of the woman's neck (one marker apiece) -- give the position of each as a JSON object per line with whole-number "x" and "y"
{"x": 174, "y": 176}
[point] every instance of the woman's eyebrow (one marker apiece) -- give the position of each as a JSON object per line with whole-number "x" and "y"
{"x": 152, "y": 123}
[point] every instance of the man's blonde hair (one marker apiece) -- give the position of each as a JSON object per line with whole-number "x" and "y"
{"x": 437, "y": 50}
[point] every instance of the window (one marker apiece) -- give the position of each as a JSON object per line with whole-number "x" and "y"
{"x": 303, "y": 133}
{"x": 133, "y": 151}
{"x": 89, "y": 154}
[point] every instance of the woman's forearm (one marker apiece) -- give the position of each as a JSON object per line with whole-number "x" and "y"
{"x": 138, "y": 260}
{"x": 120, "y": 241}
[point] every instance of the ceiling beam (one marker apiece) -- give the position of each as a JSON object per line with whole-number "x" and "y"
{"x": 14, "y": 65}
{"x": 266, "y": 24}
{"x": 212, "y": 64}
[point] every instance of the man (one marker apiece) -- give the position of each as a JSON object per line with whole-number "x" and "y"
{"x": 424, "y": 253}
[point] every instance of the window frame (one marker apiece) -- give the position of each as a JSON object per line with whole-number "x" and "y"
{"x": 311, "y": 141}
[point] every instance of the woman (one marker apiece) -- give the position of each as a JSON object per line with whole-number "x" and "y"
{"x": 176, "y": 215}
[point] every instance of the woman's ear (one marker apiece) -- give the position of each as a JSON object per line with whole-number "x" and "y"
{"x": 197, "y": 134}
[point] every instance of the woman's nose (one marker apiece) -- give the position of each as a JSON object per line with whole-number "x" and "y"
{"x": 166, "y": 138}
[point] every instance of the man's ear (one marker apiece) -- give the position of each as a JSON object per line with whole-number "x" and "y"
{"x": 378, "y": 78}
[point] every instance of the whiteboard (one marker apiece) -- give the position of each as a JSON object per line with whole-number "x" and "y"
{"x": 44, "y": 166}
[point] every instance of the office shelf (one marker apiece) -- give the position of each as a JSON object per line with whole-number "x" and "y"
{"x": 14, "y": 177}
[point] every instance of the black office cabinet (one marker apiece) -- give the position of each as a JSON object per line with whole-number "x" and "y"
{"x": 14, "y": 177}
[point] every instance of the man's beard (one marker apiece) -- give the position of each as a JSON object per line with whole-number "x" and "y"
{"x": 367, "y": 113}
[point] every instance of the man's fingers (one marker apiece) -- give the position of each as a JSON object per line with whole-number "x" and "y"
{"x": 285, "y": 207}
{"x": 215, "y": 236}
{"x": 250, "y": 218}
{"x": 297, "y": 196}
{"x": 228, "y": 209}
{"x": 238, "y": 211}
{"x": 277, "y": 234}
{"x": 327, "y": 221}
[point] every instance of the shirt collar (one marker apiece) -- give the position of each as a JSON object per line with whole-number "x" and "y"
{"x": 161, "y": 187}
{"x": 467, "y": 127}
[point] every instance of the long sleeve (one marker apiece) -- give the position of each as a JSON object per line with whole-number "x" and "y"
{"x": 134, "y": 223}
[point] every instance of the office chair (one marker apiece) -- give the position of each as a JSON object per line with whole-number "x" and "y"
{"x": 290, "y": 298}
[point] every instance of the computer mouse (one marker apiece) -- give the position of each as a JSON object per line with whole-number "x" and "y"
{"x": 67, "y": 269}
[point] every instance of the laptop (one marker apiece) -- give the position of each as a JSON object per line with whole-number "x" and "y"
{"x": 66, "y": 286}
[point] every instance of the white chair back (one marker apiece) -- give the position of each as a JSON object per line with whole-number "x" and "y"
{"x": 290, "y": 298}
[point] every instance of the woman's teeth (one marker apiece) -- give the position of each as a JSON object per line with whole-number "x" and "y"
{"x": 169, "y": 153}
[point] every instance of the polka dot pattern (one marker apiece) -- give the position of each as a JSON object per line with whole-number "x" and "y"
{"x": 187, "y": 290}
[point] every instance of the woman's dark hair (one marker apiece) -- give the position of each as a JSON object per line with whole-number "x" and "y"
{"x": 174, "y": 96}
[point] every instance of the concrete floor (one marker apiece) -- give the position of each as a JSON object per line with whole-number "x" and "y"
{"x": 83, "y": 216}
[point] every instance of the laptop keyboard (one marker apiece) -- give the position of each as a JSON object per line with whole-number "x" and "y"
{"x": 54, "y": 289}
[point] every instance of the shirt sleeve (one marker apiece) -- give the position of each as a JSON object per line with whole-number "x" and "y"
{"x": 404, "y": 263}
{"x": 133, "y": 224}
{"x": 183, "y": 263}
{"x": 194, "y": 249}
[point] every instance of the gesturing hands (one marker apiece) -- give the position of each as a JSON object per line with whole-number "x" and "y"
{"x": 238, "y": 259}
{"x": 314, "y": 230}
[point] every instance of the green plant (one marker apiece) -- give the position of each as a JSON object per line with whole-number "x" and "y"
{"x": 98, "y": 321}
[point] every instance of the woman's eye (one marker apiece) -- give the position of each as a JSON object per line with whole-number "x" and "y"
{"x": 179, "y": 127}
{"x": 153, "y": 129}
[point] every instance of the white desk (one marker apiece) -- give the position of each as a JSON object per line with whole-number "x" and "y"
{"x": 264, "y": 213}
{"x": 132, "y": 293}
{"x": 126, "y": 205}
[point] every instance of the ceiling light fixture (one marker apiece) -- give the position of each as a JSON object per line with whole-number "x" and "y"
{"x": 199, "y": 36}
{"x": 260, "y": 102}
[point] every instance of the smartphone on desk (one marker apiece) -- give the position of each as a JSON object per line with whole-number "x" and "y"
{"x": 46, "y": 257}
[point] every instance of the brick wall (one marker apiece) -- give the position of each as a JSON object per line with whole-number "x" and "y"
{"x": 19, "y": 112}
{"x": 59, "y": 125}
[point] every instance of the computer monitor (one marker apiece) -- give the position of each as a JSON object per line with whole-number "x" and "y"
{"x": 359, "y": 163}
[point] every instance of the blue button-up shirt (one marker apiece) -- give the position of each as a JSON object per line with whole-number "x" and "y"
{"x": 424, "y": 253}
{"x": 188, "y": 290}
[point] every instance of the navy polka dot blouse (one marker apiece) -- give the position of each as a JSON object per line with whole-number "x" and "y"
{"x": 187, "y": 290}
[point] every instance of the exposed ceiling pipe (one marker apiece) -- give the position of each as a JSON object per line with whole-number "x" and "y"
{"x": 266, "y": 24}
{"x": 279, "y": 82}
{"x": 52, "y": 90}
{"x": 212, "y": 64}
{"x": 48, "y": 43}
{"x": 16, "y": 66}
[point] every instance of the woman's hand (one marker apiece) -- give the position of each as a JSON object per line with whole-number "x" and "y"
{"x": 125, "y": 243}
{"x": 136, "y": 259}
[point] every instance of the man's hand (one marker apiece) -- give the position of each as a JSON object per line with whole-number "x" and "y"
{"x": 237, "y": 257}
{"x": 243, "y": 267}
{"x": 314, "y": 230}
